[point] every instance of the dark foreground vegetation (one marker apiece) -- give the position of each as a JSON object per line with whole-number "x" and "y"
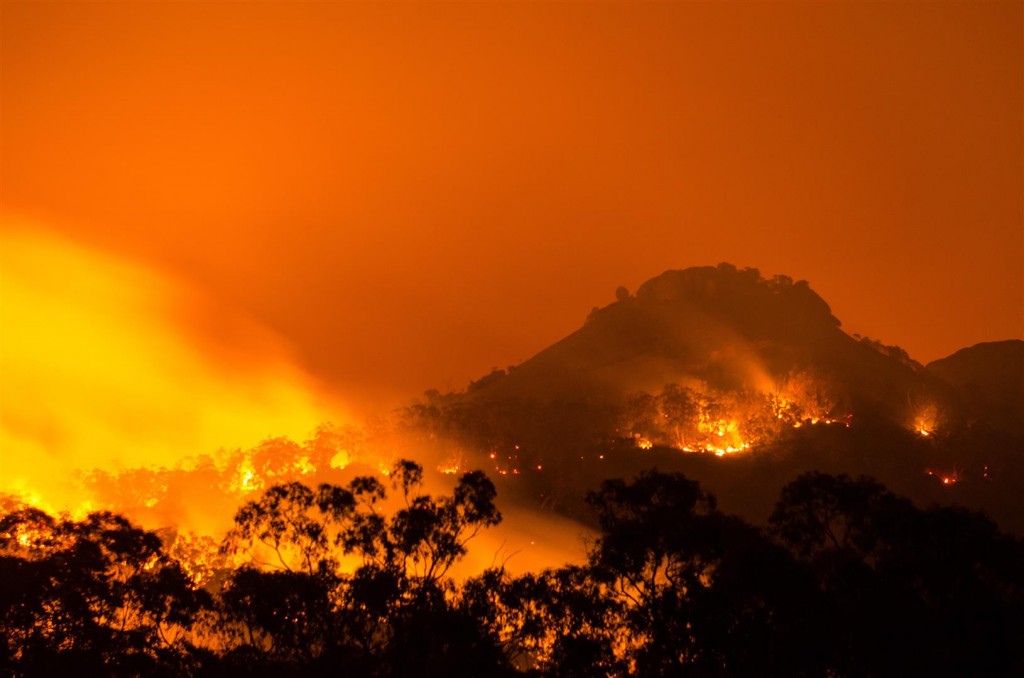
{"x": 848, "y": 579}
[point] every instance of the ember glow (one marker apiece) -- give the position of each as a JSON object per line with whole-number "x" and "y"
{"x": 698, "y": 420}
{"x": 948, "y": 478}
{"x": 926, "y": 421}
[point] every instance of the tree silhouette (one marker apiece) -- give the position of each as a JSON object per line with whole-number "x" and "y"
{"x": 848, "y": 579}
{"x": 937, "y": 591}
{"x": 94, "y": 596}
{"x": 394, "y": 604}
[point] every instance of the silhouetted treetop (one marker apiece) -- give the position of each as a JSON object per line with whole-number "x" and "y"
{"x": 850, "y": 579}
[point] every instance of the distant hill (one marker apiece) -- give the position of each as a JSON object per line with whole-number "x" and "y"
{"x": 712, "y": 362}
{"x": 726, "y": 328}
{"x": 989, "y": 378}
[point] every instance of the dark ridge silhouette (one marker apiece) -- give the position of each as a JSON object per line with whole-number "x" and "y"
{"x": 989, "y": 377}
{"x": 725, "y": 326}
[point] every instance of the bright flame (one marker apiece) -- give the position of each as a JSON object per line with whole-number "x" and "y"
{"x": 246, "y": 479}
{"x": 104, "y": 365}
{"x": 925, "y": 421}
{"x": 340, "y": 460}
{"x": 696, "y": 419}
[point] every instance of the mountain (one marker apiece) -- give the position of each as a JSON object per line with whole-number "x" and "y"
{"x": 727, "y": 329}
{"x": 712, "y": 362}
{"x": 989, "y": 378}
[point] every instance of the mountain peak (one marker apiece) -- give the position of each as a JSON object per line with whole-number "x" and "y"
{"x": 753, "y": 305}
{"x": 718, "y": 326}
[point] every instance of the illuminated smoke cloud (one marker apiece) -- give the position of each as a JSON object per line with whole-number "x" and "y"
{"x": 104, "y": 366}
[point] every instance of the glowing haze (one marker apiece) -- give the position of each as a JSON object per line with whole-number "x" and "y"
{"x": 414, "y": 193}
{"x": 398, "y": 197}
{"x": 101, "y": 368}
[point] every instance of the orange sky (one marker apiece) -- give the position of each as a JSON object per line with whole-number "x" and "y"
{"x": 411, "y": 194}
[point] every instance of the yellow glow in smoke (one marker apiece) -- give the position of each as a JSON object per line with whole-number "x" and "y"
{"x": 98, "y": 368}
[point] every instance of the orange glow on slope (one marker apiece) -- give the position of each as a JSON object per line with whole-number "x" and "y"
{"x": 729, "y": 423}
{"x": 101, "y": 369}
{"x": 926, "y": 421}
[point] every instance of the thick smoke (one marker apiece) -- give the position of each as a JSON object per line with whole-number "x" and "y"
{"x": 103, "y": 368}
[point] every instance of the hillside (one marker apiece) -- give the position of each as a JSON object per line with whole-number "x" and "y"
{"x": 989, "y": 378}
{"x": 713, "y": 362}
{"x": 726, "y": 329}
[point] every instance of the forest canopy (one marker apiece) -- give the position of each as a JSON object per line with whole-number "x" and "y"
{"x": 847, "y": 578}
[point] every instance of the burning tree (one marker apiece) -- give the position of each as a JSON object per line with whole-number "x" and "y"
{"x": 704, "y": 419}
